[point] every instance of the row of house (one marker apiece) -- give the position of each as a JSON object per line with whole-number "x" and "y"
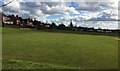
{"x": 27, "y": 23}
{"x": 16, "y": 20}
{"x": 30, "y": 23}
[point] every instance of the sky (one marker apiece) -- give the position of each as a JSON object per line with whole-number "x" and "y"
{"x": 61, "y": 11}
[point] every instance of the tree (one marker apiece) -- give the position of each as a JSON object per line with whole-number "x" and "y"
{"x": 37, "y": 24}
{"x": 21, "y": 20}
{"x": 61, "y": 26}
{"x": 71, "y": 25}
{"x": 13, "y": 18}
{"x": 53, "y": 25}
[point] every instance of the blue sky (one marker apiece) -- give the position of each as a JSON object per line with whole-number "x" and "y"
{"x": 62, "y": 11}
{"x": 57, "y": 11}
{"x": 74, "y": 4}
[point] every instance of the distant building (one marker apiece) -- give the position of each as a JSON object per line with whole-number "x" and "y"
{"x": 16, "y": 20}
{"x": 6, "y": 19}
{"x": 29, "y": 22}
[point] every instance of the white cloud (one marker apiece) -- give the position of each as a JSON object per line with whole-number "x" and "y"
{"x": 93, "y": 6}
{"x": 57, "y": 7}
{"x": 0, "y": 10}
{"x": 13, "y": 6}
{"x": 85, "y": 10}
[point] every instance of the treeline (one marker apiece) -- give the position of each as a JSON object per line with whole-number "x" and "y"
{"x": 35, "y": 24}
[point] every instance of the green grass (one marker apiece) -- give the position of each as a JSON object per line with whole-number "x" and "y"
{"x": 19, "y": 64}
{"x": 58, "y": 50}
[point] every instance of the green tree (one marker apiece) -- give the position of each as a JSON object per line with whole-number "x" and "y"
{"x": 71, "y": 25}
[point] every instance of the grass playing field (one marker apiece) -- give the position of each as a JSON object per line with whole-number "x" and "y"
{"x": 23, "y": 48}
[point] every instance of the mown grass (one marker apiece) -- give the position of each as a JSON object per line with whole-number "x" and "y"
{"x": 66, "y": 50}
{"x": 20, "y": 64}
